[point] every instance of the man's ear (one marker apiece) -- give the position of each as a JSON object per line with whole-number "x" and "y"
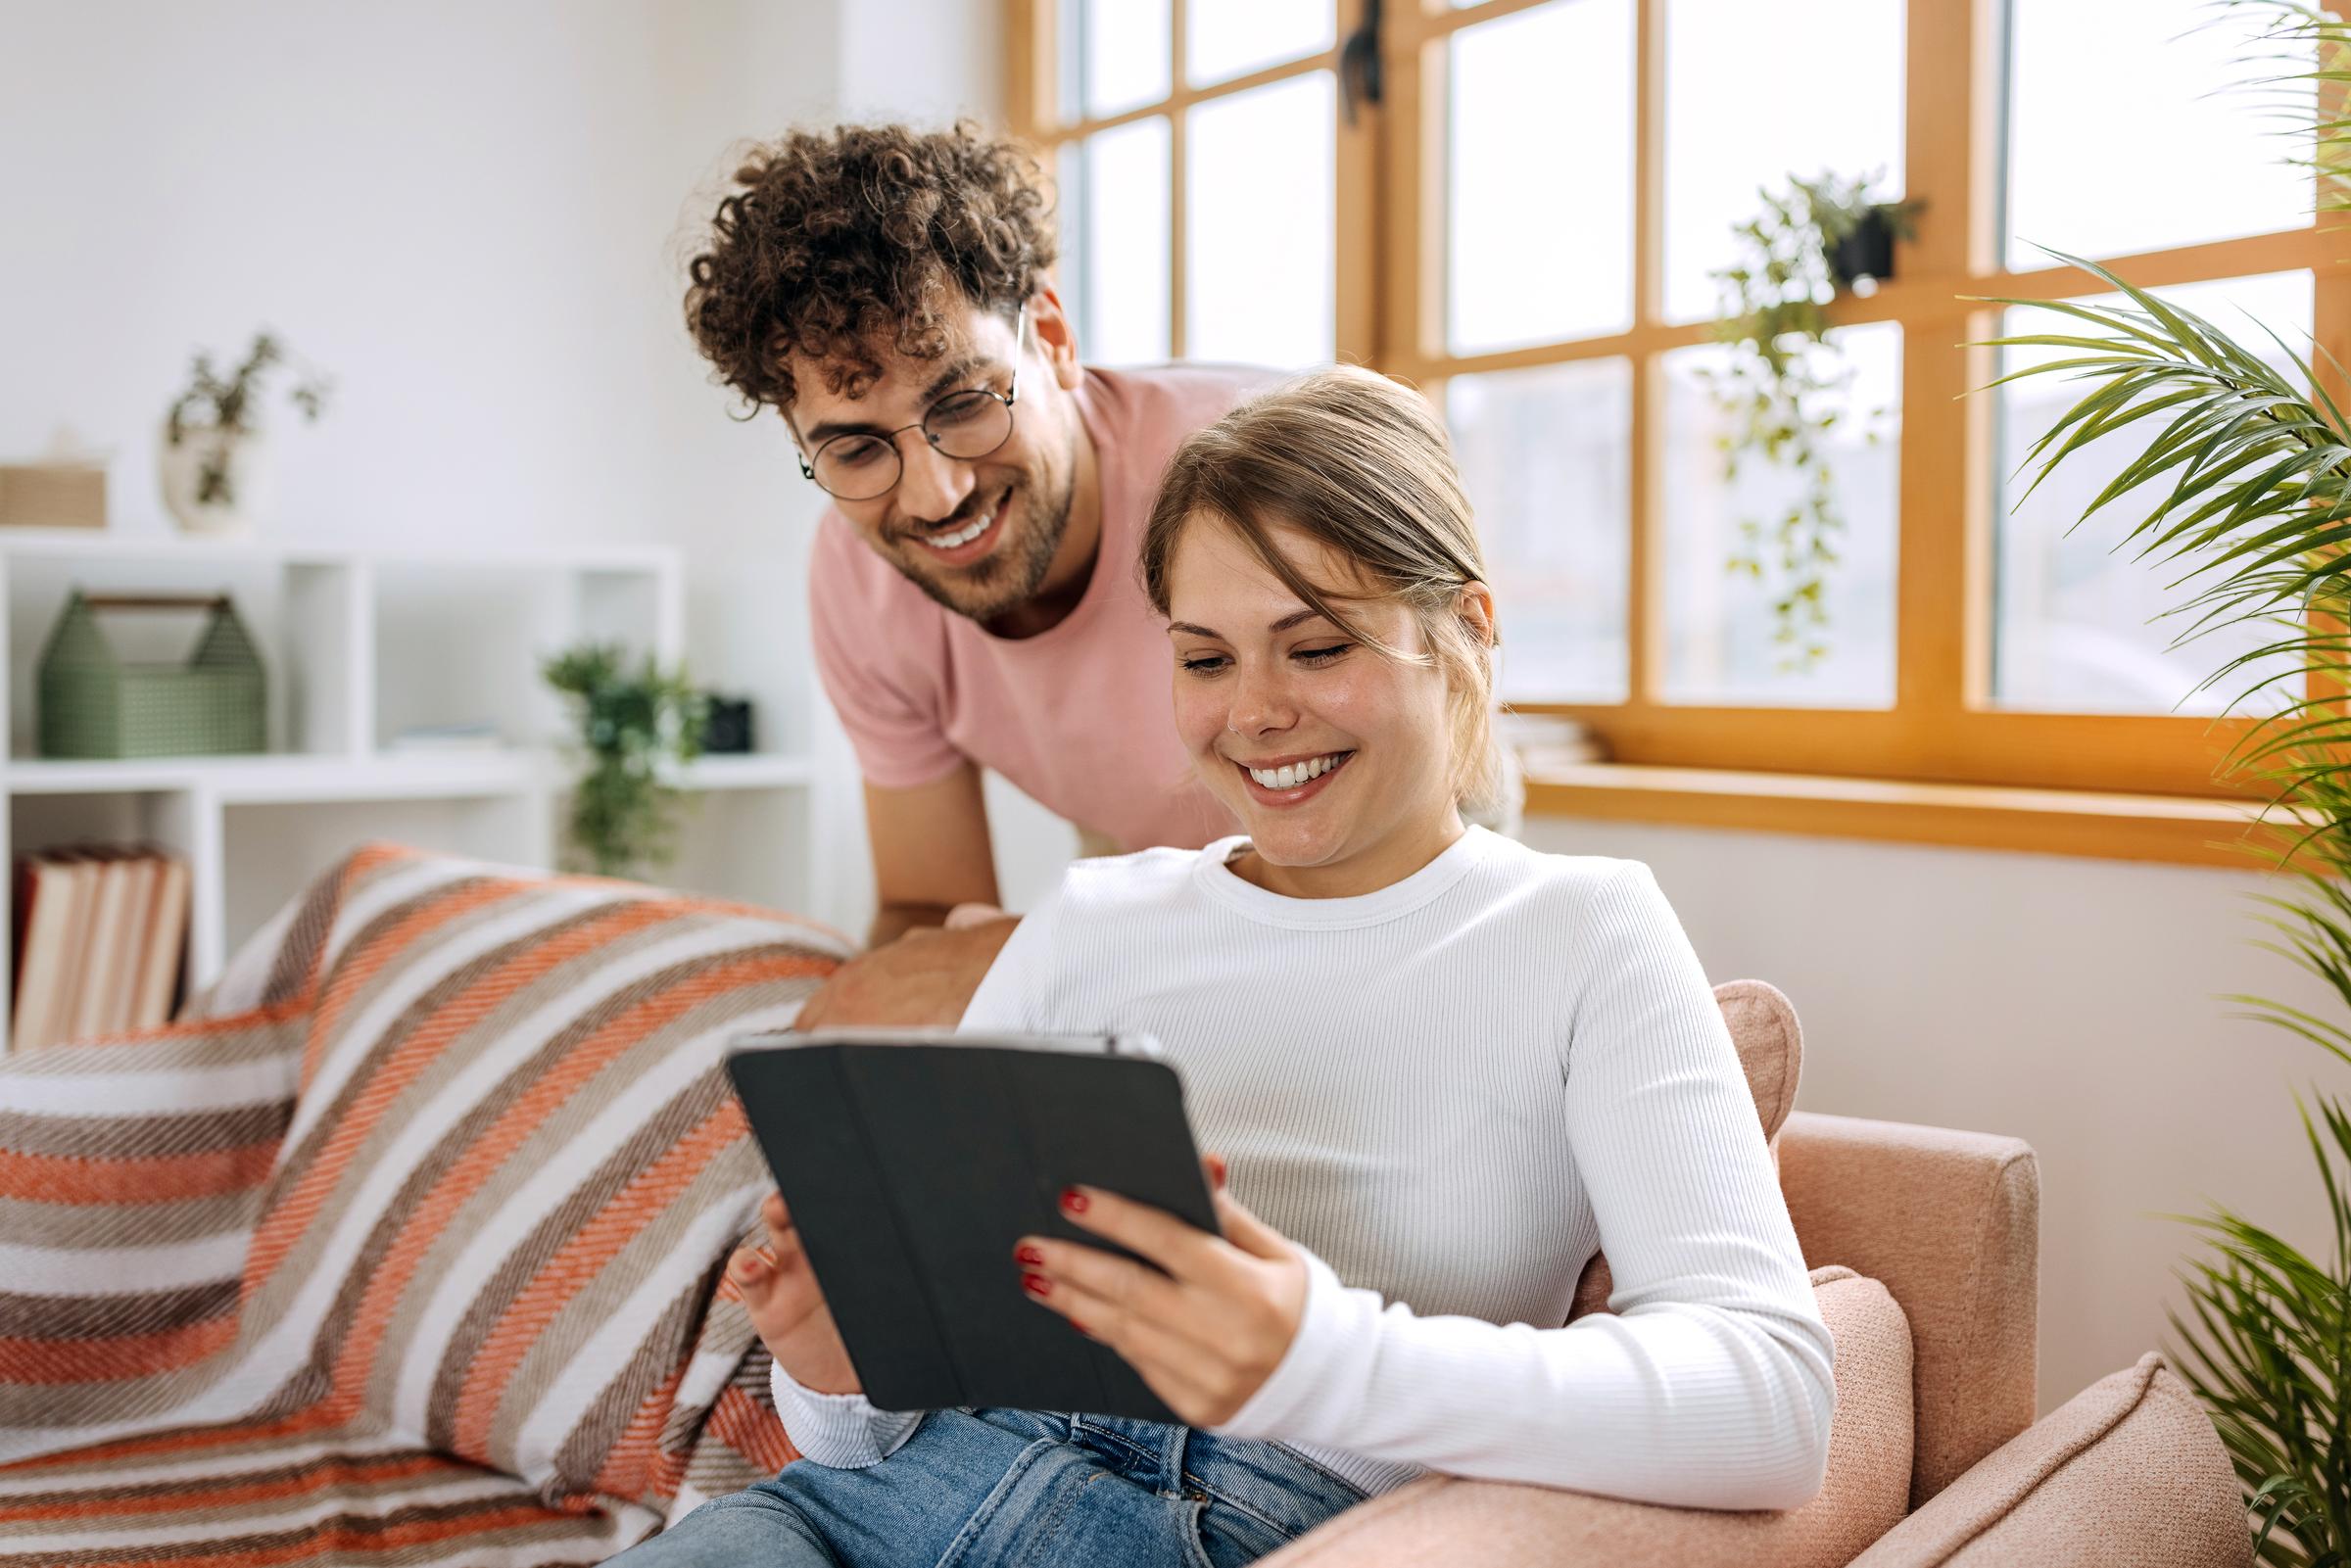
{"x": 1056, "y": 338}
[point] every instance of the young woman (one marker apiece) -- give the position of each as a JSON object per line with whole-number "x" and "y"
{"x": 1442, "y": 1068}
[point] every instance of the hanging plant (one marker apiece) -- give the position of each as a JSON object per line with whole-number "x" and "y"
{"x": 623, "y": 818}
{"x": 1785, "y": 381}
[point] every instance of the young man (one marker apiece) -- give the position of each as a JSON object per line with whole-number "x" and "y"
{"x": 973, "y": 589}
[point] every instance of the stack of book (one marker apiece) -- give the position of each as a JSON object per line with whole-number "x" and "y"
{"x": 100, "y": 932}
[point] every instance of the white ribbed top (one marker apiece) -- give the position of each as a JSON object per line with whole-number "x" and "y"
{"x": 1450, "y": 1092}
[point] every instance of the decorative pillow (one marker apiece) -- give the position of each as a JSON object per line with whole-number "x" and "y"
{"x": 1771, "y": 1048}
{"x": 496, "y": 1217}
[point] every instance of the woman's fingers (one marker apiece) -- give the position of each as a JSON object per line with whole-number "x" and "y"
{"x": 1245, "y": 1230}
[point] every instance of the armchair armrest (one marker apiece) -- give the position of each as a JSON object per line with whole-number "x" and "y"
{"x": 1444, "y": 1519}
{"x": 2128, "y": 1472}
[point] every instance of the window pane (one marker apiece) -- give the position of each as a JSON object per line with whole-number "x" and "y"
{"x": 1114, "y": 56}
{"x": 2073, "y": 633}
{"x": 1546, "y": 454}
{"x": 1720, "y": 641}
{"x": 1069, "y": 215}
{"x": 1124, "y": 211}
{"x": 1259, "y": 226}
{"x": 1228, "y": 38}
{"x": 1719, "y": 152}
{"x": 1539, "y": 243}
{"x": 2124, "y": 136}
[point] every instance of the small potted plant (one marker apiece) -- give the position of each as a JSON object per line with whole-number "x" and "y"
{"x": 214, "y": 465}
{"x": 623, "y": 818}
{"x": 1785, "y": 380}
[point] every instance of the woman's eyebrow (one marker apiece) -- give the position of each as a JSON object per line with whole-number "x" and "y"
{"x": 1294, "y": 618}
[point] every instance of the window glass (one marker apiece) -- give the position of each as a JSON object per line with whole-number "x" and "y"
{"x": 2077, "y": 626}
{"x": 1228, "y": 38}
{"x": 1539, "y": 242}
{"x": 1722, "y": 643}
{"x": 1123, "y": 265}
{"x": 1258, "y": 224}
{"x": 1115, "y": 56}
{"x": 1545, "y": 456}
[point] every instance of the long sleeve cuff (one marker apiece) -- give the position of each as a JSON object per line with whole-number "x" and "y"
{"x": 1279, "y": 1409}
{"x": 840, "y": 1431}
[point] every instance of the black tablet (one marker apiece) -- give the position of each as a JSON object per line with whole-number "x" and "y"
{"x": 913, "y": 1160}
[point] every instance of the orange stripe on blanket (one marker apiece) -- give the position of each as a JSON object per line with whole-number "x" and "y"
{"x": 391, "y": 1274}
{"x": 156, "y": 1179}
{"x": 291, "y": 1216}
{"x": 752, "y": 1429}
{"x": 201, "y": 1028}
{"x": 575, "y": 1264}
{"x": 319, "y": 1475}
{"x": 126, "y": 1355}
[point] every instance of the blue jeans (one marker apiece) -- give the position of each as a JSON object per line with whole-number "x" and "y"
{"x": 974, "y": 1489}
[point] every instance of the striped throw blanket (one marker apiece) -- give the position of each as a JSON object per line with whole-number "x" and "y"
{"x": 416, "y": 1255}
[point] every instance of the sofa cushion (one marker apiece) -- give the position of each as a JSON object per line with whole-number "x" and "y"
{"x": 2126, "y": 1474}
{"x": 1444, "y": 1520}
{"x": 1771, "y": 1050}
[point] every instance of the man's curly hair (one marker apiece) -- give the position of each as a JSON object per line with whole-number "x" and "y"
{"x": 834, "y": 239}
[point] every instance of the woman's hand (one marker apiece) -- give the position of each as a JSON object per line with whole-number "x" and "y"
{"x": 1205, "y": 1335}
{"x": 789, "y": 1309}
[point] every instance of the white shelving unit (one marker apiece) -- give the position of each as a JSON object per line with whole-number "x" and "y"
{"x": 358, "y": 645}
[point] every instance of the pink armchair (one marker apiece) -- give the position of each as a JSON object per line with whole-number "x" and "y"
{"x": 1925, "y": 1247}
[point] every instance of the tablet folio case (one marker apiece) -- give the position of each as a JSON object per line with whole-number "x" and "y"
{"x": 912, "y": 1169}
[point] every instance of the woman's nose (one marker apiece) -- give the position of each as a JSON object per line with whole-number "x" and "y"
{"x": 1261, "y": 705}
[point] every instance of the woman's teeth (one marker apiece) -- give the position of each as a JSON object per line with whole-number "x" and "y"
{"x": 1291, "y": 775}
{"x": 964, "y": 535}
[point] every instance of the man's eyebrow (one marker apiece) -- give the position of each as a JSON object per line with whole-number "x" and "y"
{"x": 957, "y": 373}
{"x": 1295, "y": 618}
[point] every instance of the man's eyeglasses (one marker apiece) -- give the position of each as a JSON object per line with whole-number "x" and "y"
{"x": 861, "y": 465}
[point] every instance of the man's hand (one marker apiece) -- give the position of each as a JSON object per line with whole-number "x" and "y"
{"x": 926, "y": 978}
{"x": 789, "y": 1309}
{"x": 1206, "y": 1334}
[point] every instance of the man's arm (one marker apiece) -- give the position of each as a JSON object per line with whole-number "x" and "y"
{"x": 931, "y": 853}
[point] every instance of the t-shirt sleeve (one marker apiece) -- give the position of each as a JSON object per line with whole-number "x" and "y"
{"x": 897, "y": 734}
{"x": 1019, "y": 993}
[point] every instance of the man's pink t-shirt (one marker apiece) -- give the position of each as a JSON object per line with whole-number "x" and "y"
{"x": 1079, "y": 715}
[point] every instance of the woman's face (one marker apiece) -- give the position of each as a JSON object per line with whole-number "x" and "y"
{"x": 1336, "y": 759}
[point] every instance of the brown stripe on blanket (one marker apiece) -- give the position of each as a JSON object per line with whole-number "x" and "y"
{"x": 304, "y": 948}
{"x": 158, "y": 1136}
{"x": 320, "y": 1473}
{"x": 683, "y": 1112}
{"x": 85, "y": 1317}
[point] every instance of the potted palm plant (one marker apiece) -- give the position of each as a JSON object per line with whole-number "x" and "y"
{"x": 2252, "y": 465}
{"x": 215, "y": 463}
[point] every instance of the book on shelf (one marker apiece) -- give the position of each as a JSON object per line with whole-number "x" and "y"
{"x": 100, "y": 933}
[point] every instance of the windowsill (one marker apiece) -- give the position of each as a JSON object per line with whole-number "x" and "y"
{"x": 2181, "y": 830}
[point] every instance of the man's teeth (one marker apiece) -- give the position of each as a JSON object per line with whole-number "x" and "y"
{"x": 962, "y": 536}
{"x": 1291, "y": 775}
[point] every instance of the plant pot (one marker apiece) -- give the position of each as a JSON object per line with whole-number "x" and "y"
{"x": 1865, "y": 253}
{"x": 216, "y": 483}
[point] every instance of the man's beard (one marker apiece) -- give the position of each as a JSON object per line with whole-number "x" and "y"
{"x": 1009, "y": 575}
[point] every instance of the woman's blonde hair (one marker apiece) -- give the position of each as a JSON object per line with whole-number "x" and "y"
{"x": 1360, "y": 464}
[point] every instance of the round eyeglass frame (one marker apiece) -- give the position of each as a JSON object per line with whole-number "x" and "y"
{"x": 965, "y": 397}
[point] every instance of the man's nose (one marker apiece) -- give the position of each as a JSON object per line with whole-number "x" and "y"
{"x": 931, "y": 484}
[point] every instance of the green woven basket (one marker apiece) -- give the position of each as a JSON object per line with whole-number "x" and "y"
{"x": 94, "y": 704}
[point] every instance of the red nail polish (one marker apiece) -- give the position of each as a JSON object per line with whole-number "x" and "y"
{"x": 1035, "y": 1285}
{"x": 1073, "y": 1200}
{"x": 1029, "y": 1254}
{"x": 1080, "y": 1328}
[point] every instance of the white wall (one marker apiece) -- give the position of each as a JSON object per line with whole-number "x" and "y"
{"x": 2071, "y": 1003}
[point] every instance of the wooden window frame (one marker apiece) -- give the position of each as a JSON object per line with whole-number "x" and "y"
{"x": 1942, "y": 731}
